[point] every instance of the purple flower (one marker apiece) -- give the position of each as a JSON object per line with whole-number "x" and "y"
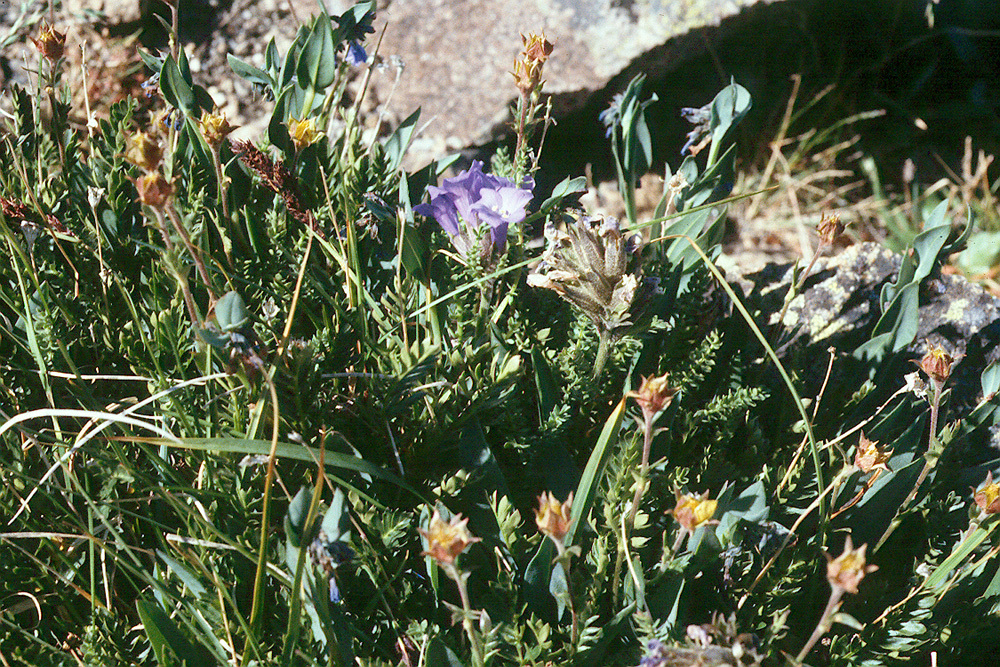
{"x": 356, "y": 54}
{"x": 612, "y": 116}
{"x": 472, "y": 202}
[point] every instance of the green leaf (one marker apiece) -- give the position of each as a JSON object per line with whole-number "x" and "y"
{"x": 439, "y": 653}
{"x": 176, "y": 91}
{"x": 848, "y": 620}
{"x": 185, "y": 575}
{"x": 397, "y": 143}
{"x": 163, "y": 633}
{"x": 559, "y": 588}
{"x": 590, "y": 482}
{"x": 250, "y": 73}
{"x": 231, "y": 311}
{"x": 566, "y": 188}
{"x": 287, "y": 451}
{"x": 990, "y": 379}
{"x": 729, "y": 107}
{"x": 298, "y": 511}
{"x": 897, "y": 327}
{"x": 277, "y": 128}
{"x": 545, "y": 385}
{"x": 337, "y": 520}
{"x": 317, "y": 64}
{"x": 961, "y": 551}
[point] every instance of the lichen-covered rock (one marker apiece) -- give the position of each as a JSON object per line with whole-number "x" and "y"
{"x": 839, "y": 307}
{"x": 840, "y": 301}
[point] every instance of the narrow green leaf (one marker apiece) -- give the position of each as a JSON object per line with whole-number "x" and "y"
{"x": 184, "y": 574}
{"x": 545, "y": 385}
{"x": 397, "y": 143}
{"x": 961, "y": 551}
{"x": 586, "y": 490}
{"x": 250, "y": 73}
{"x": 287, "y": 451}
{"x": 164, "y": 633}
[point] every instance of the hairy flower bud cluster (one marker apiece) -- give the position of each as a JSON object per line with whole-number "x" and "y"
{"x": 597, "y": 268}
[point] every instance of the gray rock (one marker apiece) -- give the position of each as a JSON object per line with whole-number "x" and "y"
{"x": 457, "y": 53}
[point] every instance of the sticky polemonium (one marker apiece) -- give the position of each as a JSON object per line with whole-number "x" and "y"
{"x": 472, "y": 203}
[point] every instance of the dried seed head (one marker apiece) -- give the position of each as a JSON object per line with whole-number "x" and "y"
{"x": 447, "y": 539}
{"x": 847, "y": 570}
{"x": 988, "y": 497}
{"x": 597, "y": 268}
{"x": 554, "y": 518}
{"x": 871, "y": 455}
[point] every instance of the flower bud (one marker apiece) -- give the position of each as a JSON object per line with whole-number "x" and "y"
{"x": 829, "y": 229}
{"x": 143, "y": 151}
{"x": 654, "y": 395}
{"x": 303, "y": 132}
{"x": 937, "y": 364}
{"x": 154, "y": 190}
{"x": 871, "y": 455}
{"x": 214, "y": 127}
{"x": 554, "y": 518}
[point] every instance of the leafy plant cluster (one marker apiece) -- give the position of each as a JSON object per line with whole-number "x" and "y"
{"x": 257, "y": 409}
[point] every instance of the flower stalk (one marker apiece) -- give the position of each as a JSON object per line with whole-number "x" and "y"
{"x": 446, "y": 540}
{"x": 844, "y": 573}
{"x": 553, "y": 520}
{"x": 937, "y": 365}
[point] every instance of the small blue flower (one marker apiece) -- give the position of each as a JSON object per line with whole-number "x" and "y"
{"x": 701, "y": 118}
{"x": 356, "y": 54}
{"x": 472, "y": 202}
{"x": 612, "y": 116}
{"x": 656, "y": 654}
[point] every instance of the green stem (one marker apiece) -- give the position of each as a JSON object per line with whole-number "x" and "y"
{"x": 603, "y": 347}
{"x": 824, "y": 625}
{"x": 640, "y": 491}
{"x": 931, "y": 444}
{"x": 265, "y": 518}
{"x": 470, "y": 630}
